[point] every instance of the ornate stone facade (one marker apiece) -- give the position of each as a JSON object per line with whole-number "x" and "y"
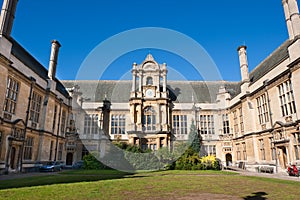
{"x": 251, "y": 124}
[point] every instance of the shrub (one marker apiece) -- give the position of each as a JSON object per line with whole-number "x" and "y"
{"x": 90, "y": 162}
{"x": 210, "y": 162}
{"x": 191, "y": 160}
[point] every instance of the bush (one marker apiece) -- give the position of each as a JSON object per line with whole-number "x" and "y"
{"x": 90, "y": 162}
{"x": 190, "y": 160}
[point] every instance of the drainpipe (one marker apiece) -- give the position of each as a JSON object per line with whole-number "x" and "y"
{"x": 20, "y": 163}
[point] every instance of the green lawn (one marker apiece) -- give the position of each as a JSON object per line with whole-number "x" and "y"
{"x": 110, "y": 184}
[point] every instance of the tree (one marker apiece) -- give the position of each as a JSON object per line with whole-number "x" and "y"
{"x": 194, "y": 138}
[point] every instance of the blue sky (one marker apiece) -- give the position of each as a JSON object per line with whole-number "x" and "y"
{"x": 218, "y": 26}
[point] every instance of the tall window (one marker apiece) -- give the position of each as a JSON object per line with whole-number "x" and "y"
{"x": 28, "y": 148}
{"x": 60, "y": 151}
{"x": 54, "y": 119}
{"x": 12, "y": 90}
{"x": 207, "y": 124}
{"x": 226, "y": 127}
{"x": 273, "y": 150}
{"x": 286, "y": 98}
{"x": 238, "y": 152}
{"x": 84, "y": 152}
{"x": 180, "y": 124}
{"x": 209, "y": 150}
{"x": 262, "y": 107}
{"x": 241, "y": 120}
{"x": 118, "y": 124}
{"x": 296, "y": 147}
{"x": 262, "y": 149}
{"x": 91, "y": 124}
{"x": 244, "y": 151}
{"x": 63, "y": 123}
{"x": 35, "y": 107}
{"x": 51, "y": 150}
{"x": 149, "y": 119}
{"x": 235, "y": 122}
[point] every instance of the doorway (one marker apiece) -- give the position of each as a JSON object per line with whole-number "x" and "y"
{"x": 228, "y": 159}
{"x": 284, "y": 157}
{"x": 12, "y": 158}
{"x": 69, "y": 159}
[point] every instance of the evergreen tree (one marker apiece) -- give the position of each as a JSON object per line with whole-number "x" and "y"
{"x": 194, "y": 138}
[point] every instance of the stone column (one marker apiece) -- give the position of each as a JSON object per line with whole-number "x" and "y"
{"x": 166, "y": 141}
{"x": 134, "y": 77}
{"x": 158, "y": 142}
{"x": 159, "y": 117}
{"x": 140, "y": 82}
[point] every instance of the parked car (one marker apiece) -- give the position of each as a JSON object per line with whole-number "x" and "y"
{"x": 78, "y": 165}
{"x": 62, "y": 164}
{"x": 51, "y": 166}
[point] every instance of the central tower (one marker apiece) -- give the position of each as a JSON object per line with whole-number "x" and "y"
{"x": 149, "y": 105}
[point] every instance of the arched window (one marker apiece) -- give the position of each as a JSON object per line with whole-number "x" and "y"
{"x": 149, "y": 81}
{"x": 149, "y": 119}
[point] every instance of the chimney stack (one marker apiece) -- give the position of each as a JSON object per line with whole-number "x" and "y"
{"x": 53, "y": 59}
{"x": 292, "y": 17}
{"x": 243, "y": 63}
{"x": 7, "y": 16}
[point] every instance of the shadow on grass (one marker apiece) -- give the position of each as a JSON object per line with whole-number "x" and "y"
{"x": 256, "y": 196}
{"x": 76, "y": 176}
{"x": 60, "y": 179}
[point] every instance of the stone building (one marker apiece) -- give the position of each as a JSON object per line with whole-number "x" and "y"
{"x": 35, "y": 108}
{"x": 251, "y": 124}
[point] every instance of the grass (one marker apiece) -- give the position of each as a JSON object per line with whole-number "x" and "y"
{"x": 151, "y": 185}
{"x": 70, "y": 176}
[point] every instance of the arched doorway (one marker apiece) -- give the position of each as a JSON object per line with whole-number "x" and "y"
{"x": 69, "y": 160}
{"x": 228, "y": 159}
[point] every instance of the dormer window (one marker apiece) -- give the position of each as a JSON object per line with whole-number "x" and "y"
{"x": 149, "y": 81}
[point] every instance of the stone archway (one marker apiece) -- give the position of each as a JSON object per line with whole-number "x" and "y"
{"x": 228, "y": 159}
{"x": 69, "y": 159}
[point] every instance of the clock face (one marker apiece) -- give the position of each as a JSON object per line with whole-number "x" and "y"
{"x": 149, "y": 93}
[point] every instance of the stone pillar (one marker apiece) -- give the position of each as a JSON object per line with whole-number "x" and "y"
{"x": 159, "y": 117}
{"x": 164, "y": 77}
{"x": 7, "y": 16}
{"x": 140, "y": 82}
{"x": 166, "y": 141}
{"x": 106, "y": 116}
{"x": 158, "y": 142}
{"x": 134, "y": 77}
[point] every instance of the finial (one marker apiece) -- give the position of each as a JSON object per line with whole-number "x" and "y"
{"x": 149, "y": 57}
